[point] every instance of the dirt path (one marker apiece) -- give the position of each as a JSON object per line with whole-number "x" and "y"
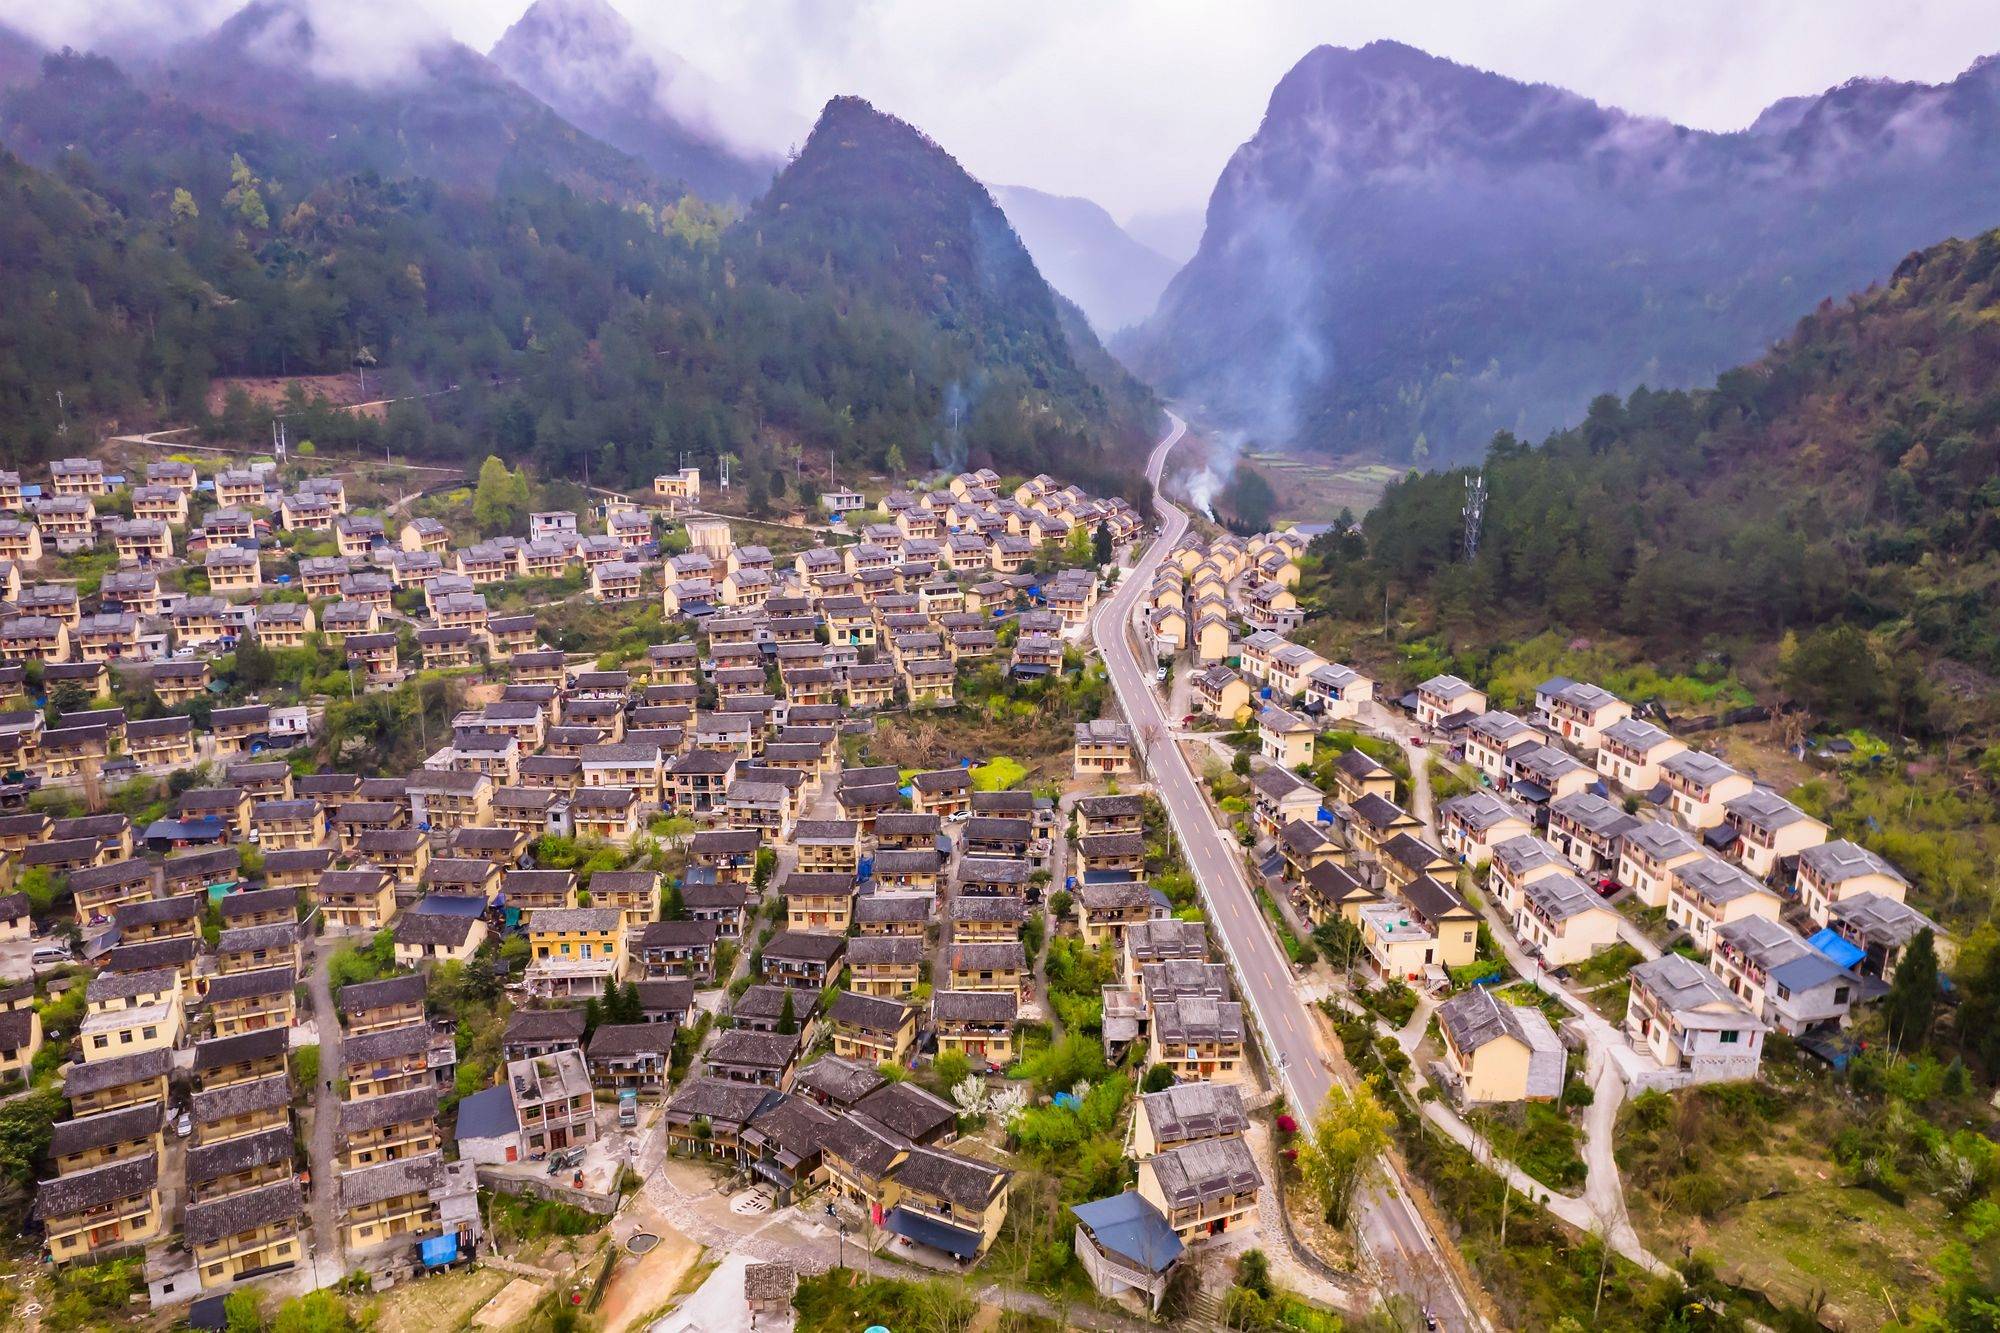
{"x": 639, "y": 1287}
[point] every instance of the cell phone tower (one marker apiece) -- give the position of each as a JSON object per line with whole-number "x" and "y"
{"x": 1474, "y": 512}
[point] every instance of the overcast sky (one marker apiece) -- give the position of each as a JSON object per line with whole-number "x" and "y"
{"x": 1138, "y": 103}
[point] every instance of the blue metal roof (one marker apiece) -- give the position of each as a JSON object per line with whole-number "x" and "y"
{"x": 1842, "y": 951}
{"x": 450, "y": 904}
{"x": 487, "y": 1114}
{"x": 1131, "y": 1228}
{"x": 931, "y": 1232}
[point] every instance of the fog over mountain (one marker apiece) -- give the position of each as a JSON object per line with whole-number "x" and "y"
{"x": 583, "y": 59}
{"x": 1087, "y": 256}
{"x": 1411, "y": 254}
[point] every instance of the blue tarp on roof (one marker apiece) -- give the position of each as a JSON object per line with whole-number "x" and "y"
{"x": 1108, "y": 877}
{"x": 928, "y": 1231}
{"x": 1842, "y": 951}
{"x": 1132, "y": 1229}
{"x": 439, "y": 1250}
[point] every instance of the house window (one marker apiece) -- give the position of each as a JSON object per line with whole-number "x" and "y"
{"x": 1731, "y": 1038}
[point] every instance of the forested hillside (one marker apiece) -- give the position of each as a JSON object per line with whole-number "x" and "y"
{"x": 577, "y": 325}
{"x": 1851, "y": 479}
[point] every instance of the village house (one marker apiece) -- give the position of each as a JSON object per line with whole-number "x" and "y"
{"x": 1499, "y": 1052}
{"x": 1833, "y": 872}
{"x": 1489, "y": 740}
{"x": 1590, "y": 831}
{"x": 1699, "y": 787}
{"x": 1201, "y": 1188}
{"x": 1630, "y": 752}
{"x": 877, "y": 1029}
{"x": 1706, "y": 893}
{"x": 1563, "y": 921}
{"x": 1443, "y": 696}
{"x": 1472, "y": 825}
{"x": 1197, "y": 1037}
{"x": 1770, "y": 831}
{"x": 1687, "y": 1020}
{"x": 106, "y": 1208}
{"x": 1791, "y": 986}
{"x": 1578, "y": 711}
{"x": 436, "y": 937}
{"x": 671, "y": 950}
{"x": 1648, "y": 854}
{"x": 363, "y": 898}
{"x": 1103, "y": 749}
{"x": 631, "y": 1055}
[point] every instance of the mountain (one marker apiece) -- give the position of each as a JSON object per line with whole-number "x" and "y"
{"x": 1087, "y": 256}
{"x": 434, "y": 108}
{"x": 871, "y": 209}
{"x": 1411, "y": 254}
{"x": 1849, "y": 480}
{"x": 581, "y": 57}
{"x": 876, "y": 304}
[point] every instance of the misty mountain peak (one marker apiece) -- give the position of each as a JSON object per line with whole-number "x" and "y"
{"x": 1390, "y": 107}
{"x": 583, "y": 58}
{"x": 577, "y": 41}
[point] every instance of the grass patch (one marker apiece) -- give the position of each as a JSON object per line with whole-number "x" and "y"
{"x": 1605, "y": 965}
{"x": 1541, "y": 1140}
{"x": 1746, "y": 1176}
{"x": 842, "y": 1300}
{"x": 998, "y": 773}
{"x": 529, "y": 1219}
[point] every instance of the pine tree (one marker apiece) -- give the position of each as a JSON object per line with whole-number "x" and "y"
{"x": 788, "y": 1019}
{"x": 1912, "y": 999}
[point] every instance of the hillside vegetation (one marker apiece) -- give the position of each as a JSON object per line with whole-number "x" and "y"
{"x": 1836, "y": 501}
{"x": 582, "y": 316}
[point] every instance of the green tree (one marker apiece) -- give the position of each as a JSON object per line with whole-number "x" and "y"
{"x": 1100, "y": 544}
{"x": 893, "y": 460}
{"x": 788, "y": 1019}
{"x": 1350, "y": 1133}
{"x": 1158, "y": 1079}
{"x": 40, "y": 885}
{"x": 767, "y": 865}
{"x": 243, "y": 1312}
{"x": 243, "y": 198}
{"x": 1076, "y": 551}
{"x": 497, "y": 497}
{"x": 255, "y": 666}
{"x": 183, "y": 209}
{"x": 315, "y": 1312}
{"x": 1912, "y": 1000}
{"x": 25, "y": 1130}
{"x": 1834, "y": 671}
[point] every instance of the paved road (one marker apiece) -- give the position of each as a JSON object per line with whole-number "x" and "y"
{"x": 327, "y": 1246}
{"x": 1391, "y": 1228}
